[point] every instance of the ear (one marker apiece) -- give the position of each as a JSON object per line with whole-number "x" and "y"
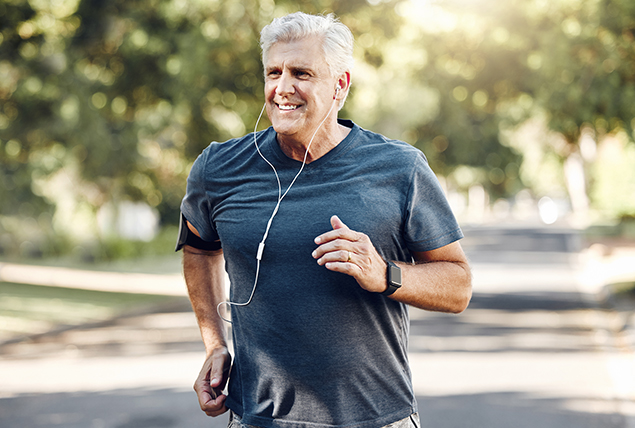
{"x": 344, "y": 83}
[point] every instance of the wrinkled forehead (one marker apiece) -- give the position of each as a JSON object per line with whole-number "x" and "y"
{"x": 307, "y": 49}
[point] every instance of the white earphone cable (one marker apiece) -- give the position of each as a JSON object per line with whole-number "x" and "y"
{"x": 261, "y": 246}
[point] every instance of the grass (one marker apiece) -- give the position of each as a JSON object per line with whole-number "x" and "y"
{"x": 27, "y": 310}
{"x": 30, "y": 309}
{"x": 624, "y": 288}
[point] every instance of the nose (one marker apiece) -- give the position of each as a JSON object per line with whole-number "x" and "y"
{"x": 285, "y": 85}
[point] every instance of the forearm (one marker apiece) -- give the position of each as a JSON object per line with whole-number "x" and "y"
{"x": 444, "y": 286}
{"x": 440, "y": 281}
{"x": 204, "y": 276}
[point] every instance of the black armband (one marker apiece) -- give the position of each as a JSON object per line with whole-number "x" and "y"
{"x": 187, "y": 237}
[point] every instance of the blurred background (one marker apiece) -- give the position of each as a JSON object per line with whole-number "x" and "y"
{"x": 525, "y": 109}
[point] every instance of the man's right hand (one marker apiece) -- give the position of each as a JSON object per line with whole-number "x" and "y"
{"x": 212, "y": 380}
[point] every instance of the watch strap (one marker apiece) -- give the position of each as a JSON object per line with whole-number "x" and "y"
{"x": 393, "y": 278}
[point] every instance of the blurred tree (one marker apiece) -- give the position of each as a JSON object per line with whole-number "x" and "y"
{"x": 497, "y": 65}
{"x": 583, "y": 65}
{"x": 108, "y": 101}
{"x": 443, "y": 80}
{"x": 35, "y": 108}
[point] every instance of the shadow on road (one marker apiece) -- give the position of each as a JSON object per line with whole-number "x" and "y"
{"x": 513, "y": 409}
{"x": 522, "y": 355}
{"x": 120, "y": 408}
{"x": 506, "y": 323}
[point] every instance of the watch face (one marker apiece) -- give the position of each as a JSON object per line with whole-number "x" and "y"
{"x": 395, "y": 275}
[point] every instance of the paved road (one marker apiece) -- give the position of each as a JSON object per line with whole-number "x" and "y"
{"x": 533, "y": 350}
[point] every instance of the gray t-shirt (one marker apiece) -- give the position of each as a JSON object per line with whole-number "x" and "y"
{"x": 313, "y": 348}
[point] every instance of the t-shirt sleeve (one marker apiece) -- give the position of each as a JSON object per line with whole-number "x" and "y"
{"x": 430, "y": 223}
{"x": 196, "y": 205}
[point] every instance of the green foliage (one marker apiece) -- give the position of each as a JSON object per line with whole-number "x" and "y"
{"x": 107, "y": 101}
{"x": 451, "y": 80}
{"x": 112, "y": 101}
{"x": 114, "y": 248}
{"x": 584, "y": 67}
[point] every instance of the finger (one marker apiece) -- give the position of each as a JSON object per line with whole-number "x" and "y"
{"x": 342, "y": 256}
{"x": 202, "y": 382}
{"x": 210, "y": 400}
{"x": 338, "y": 245}
{"x": 215, "y": 407}
{"x": 217, "y": 371}
{"x": 204, "y": 391}
{"x": 212, "y": 377}
{"x": 205, "y": 398}
{"x": 336, "y": 223}
{"x": 221, "y": 366}
{"x": 340, "y": 231}
{"x": 343, "y": 267}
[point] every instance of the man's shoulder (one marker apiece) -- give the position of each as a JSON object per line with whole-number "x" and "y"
{"x": 220, "y": 152}
{"x": 225, "y": 157}
{"x": 236, "y": 143}
{"x": 389, "y": 147}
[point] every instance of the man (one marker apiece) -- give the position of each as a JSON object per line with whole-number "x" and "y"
{"x": 355, "y": 229}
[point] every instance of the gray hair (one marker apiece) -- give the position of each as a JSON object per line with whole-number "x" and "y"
{"x": 337, "y": 39}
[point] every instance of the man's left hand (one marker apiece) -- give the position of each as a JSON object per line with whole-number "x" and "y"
{"x": 350, "y": 252}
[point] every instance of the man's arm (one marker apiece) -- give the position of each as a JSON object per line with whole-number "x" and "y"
{"x": 439, "y": 281}
{"x": 204, "y": 276}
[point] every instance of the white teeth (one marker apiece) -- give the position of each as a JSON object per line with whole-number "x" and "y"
{"x": 287, "y": 107}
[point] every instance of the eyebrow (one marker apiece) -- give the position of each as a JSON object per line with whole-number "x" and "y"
{"x": 299, "y": 67}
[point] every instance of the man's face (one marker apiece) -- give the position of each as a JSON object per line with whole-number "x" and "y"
{"x": 299, "y": 89}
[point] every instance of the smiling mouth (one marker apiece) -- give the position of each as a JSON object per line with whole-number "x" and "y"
{"x": 288, "y": 107}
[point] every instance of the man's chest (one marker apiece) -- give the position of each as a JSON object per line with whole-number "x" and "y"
{"x": 365, "y": 204}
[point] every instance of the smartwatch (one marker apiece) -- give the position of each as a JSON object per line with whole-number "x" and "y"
{"x": 393, "y": 279}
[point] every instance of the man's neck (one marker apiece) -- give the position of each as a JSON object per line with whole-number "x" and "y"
{"x": 323, "y": 143}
